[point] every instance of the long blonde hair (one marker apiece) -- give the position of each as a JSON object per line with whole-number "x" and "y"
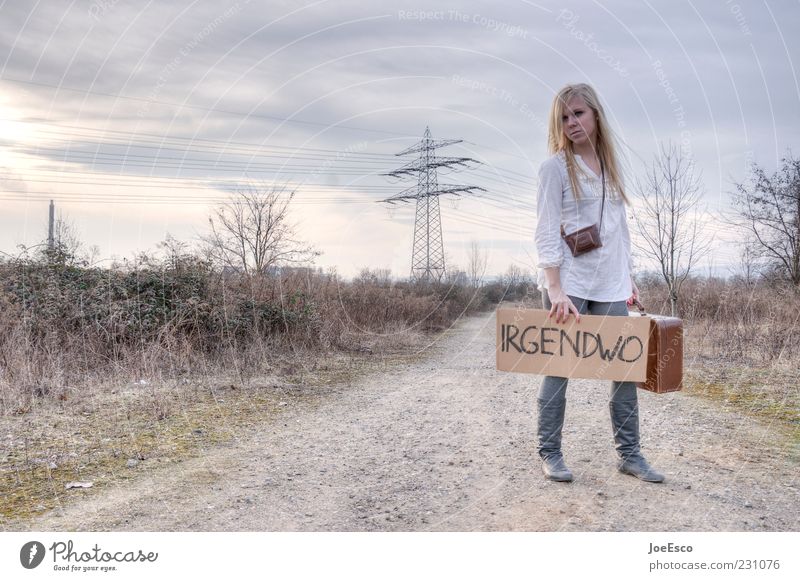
{"x": 604, "y": 143}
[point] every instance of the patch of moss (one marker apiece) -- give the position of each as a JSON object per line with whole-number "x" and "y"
{"x": 767, "y": 394}
{"x": 95, "y": 441}
{"x": 96, "y": 446}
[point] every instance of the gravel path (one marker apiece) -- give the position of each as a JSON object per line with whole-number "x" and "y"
{"x": 449, "y": 444}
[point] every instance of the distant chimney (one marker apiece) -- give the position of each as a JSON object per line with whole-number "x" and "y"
{"x": 50, "y": 236}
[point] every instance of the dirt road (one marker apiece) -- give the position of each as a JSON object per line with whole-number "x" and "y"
{"x": 449, "y": 444}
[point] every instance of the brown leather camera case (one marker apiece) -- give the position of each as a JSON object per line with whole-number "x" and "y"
{"x": 583, "y": 240}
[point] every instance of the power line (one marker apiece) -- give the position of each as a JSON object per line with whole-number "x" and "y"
{"x": 328, "y": 126}
{"x": 201, "y": 108}
{"x": 165, "y": 186}
{"x": 169, "y": 182}
{"x": 497, "y": 225}
{"x": 348, "y": 157}
{"x": 259, "y": 168}
{"x": 82, "y": 197}
{"x": 345, "y": 168}
{"x": 143, "y": 161}
{"x": 178, "y": 183}
{"x": 157, "y": 141}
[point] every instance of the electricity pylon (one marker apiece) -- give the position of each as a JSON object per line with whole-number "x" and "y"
{"x": 427, "y": 255}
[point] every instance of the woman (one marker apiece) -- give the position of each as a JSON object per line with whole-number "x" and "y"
{"x": 571, "y": 194}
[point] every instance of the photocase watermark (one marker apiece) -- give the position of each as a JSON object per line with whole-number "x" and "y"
{"x": 736, "y": 10}
{"x": 568, "y": 20}
{"x": 340, "y": 156}
{"x": 504, "y": 96}
{"x": 66, "y": 558}
{"x": 627, "y": 328}
{"x": 510, "y": 30}
{"x": 31, "y": 554}
{"x": 487, "y": 88}
{"x": 185, "y": 51}
{"x": 98, "y": 8}
{"x": 677, "y": 110}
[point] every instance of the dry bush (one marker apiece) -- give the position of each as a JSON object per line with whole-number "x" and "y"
{"x": 733, "y": 321}
{"x": 61, "y": 322}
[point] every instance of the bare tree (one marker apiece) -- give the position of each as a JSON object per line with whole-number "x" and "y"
{"x": 769, "y": 210}
{"x": 476, "y": 264}
{"x": 749, "y": 266}
{"x": 177, "y": 254}
{"x": 456, "y": 276}
{"x": 668, "y": 221}
{"x": 65, "y": 235}
{"x": 377, "y": 276}
{"x": 513, "y": 276}
{"x": 68, "y": 248}
{"x": 251, "y": 232}
{"x": 517, "y": 283}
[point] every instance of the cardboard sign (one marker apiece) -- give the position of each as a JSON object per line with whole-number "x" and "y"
{"x": 599, "y": 347}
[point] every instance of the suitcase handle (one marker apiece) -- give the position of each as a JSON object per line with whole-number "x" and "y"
{"x": 642, "y": 312}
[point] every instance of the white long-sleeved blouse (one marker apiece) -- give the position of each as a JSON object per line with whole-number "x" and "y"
{"x": 602, "y": 274}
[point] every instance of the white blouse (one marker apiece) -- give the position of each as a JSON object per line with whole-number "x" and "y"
{"x": 602, "y": 274}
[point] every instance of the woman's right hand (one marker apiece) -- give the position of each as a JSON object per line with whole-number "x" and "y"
{"x": 562, "y": 306}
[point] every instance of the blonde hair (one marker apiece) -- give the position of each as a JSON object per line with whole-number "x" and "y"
{"x": 604, "y": 142}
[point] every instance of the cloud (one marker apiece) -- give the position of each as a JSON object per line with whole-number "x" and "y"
{"x": 247, "y": 71}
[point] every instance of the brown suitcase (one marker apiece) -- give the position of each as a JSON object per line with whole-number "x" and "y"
{"x": 664, "y": 354}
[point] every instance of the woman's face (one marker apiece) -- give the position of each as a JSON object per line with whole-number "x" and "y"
{"x": 578, "y": 120}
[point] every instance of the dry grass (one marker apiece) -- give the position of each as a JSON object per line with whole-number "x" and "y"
{"x": 769, "y": 394}
{"x": 741, "y": 348}
{"x": 61, "y": 325}
{"x": 150, "y": 364}
{"x": 100, "y": 430}
{"x": 107, "y": 374}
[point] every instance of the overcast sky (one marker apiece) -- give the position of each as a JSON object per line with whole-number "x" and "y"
{"x": 136, "y": 117}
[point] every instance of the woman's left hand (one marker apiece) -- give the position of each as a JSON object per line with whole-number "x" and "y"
{"x": 635, "y": 295}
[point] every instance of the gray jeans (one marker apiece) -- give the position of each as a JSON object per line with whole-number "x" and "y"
{"x": 555, "y": 388}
